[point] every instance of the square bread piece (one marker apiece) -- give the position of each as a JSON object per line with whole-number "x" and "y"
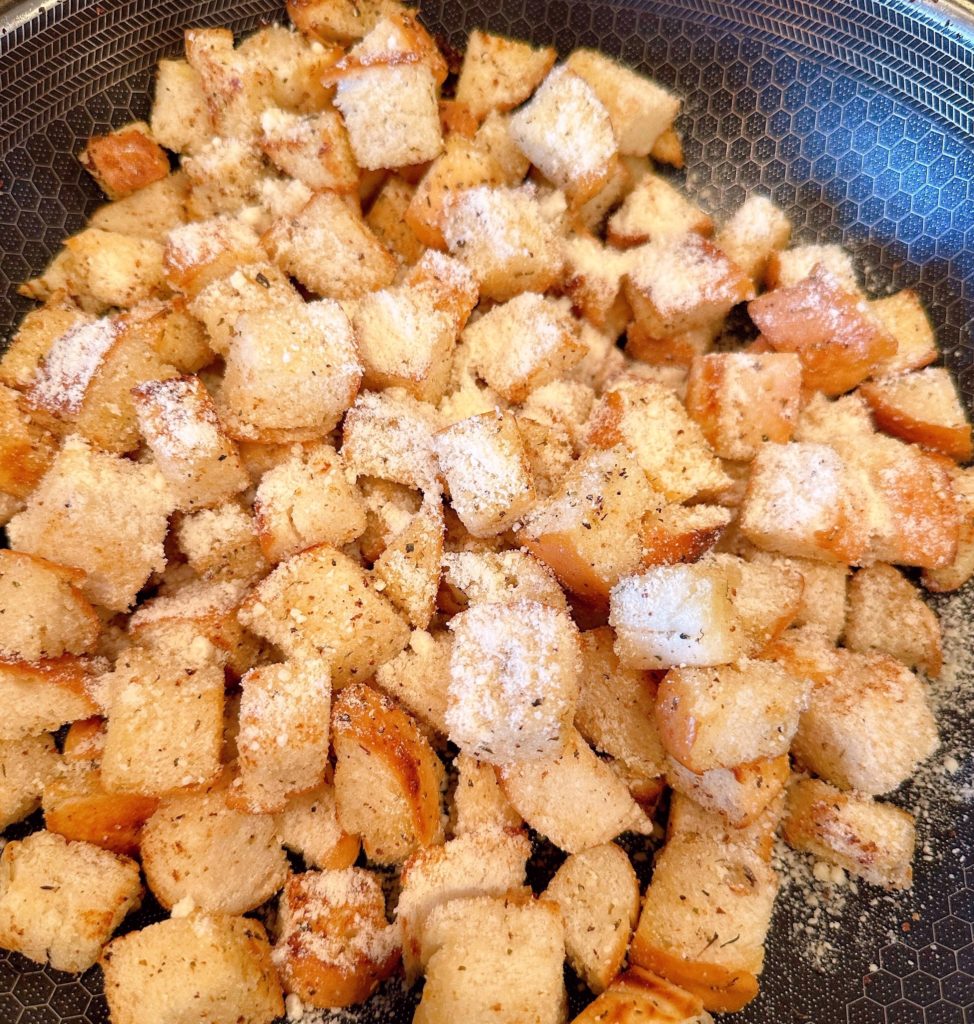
{"x": 212, "y": 969}
{"x": 27, "y": 765}
{"x": 42, "y": 696}
{"x": 61, "y": 901}
{"x": 500, "y": 73}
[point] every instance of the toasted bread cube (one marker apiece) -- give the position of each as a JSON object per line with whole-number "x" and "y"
{"x": 641, "y": 997}
{"x": 225, "y": 860}
{"x": 419, "y": 679}
{"x": 741, "y": 400}
{"x": 870, "y": 840}
{"x": 216, "y": 969}
{"x": 42, "y": 696}
{"x": 409, "y": 568}
{"x": 739, "y": 795}
{"x": 681, "y": 283}
{"x": 236, "y": 89}
{"x": 766, "y": 599}
{"x": 26, "y": 447}
{"x": 500, "y": 73}
{"x": 886, "y": 613}
{"x": 85, "y": 740}
{"x": 180, "y": 118}
{"x": 828, "y": 326}
{"x": 564, "y": 405}
{"x": 731, "y": 715}
{"x": 61, "y": 901}
{"x": 78, "y": 807}
{"x": 504, "y": 238}
{"x": 34, "y": 337}
{"x": 924, "y": 408}
{"x": 639, "y": 109}
{"x": 677, "y": 350}
{"x": 675, "y": 615}
{"x": 356, "y": 262}
{"x": 961, "y": 567}
{"x": 165, "y": 724}
{"x": 903, "y": 317}
{"x": 470, "y": 975}
{"x": 151, "y": 213}
{"x": 313, "y": 148}
{"x": 701, "y": 888}
{"x": 687, "y": 816}
{"x": 788, "y": 267}
{"x": 485, "y": 467}
{"x": 566, "y": 133}
{"x": 514, "y": 681}
{"x": 308, "y": 825}
{"x": 387, "y": 777}
{"x": 296, "y": 66}
{"x": 803, "y": 500}
{"x": 43, "y": 613}
{"x": 178, "y": 420}
{"x": 836, "y": 422}
{"x": 322, "y": 601}
{"x": 203, "y": 251}
{"x": 598, "y": 894}
{"x": 756, "y": 230}
{"x": 616, "y": 710}
{"x": 26, "y": 766}
{"x": 115, "y": 269}
{"x": 90, "y": 507}
{"x": 475, "y": 577}
{"x": 523, "y": 344}
{"x": 655, "y": 211}
{"x": 340, "y": 21}
{"x": 282, "y": 747}
{"x": 223, "y": 176}
{"x": 680, "y": 533}
{"x": 593, "y": 281}
{"x": 307, "y": 500}
{"x": 549, "y": 451}
{"x": 572, "y": 798}
{"x": 335, "y": 944}
{"x": 387, "y": 219}
{"x": 479, "y": 802}
{"x": 488, "y": 863}
{"x": 868, "y": 724}
{"x": 290, "y": 373}
{"x": 178, "y": 338}
{"x": 125, "y": 160}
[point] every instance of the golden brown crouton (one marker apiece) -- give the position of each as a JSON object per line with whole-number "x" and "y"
{"x": 500, "y": 73}
{"x": 42, "y": 696}
{"x": 125, "y": 160}
{"x": 340, "y": 21}
{"x": 903, "y": 317}
{"x": 738, "y": 796}
{"x": 180, "y": 118}
{"x": 640, "y": 997}
{"x": 308, "y": 825}
{"x": 756, "y": 230}
{"x": 655, "y": 211}
{"x": 409, "y": 568}
{"x": 26, "y": 766}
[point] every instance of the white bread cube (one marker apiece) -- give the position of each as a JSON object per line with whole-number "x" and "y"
{"x": 224, "y": 177}
{"x": 640, "y": 997}
{"x": 616, "y": 710}
{"x": 313, "y": 148}
{"x": 356, "y": 262}
{"x": 886, "y": 613}
{"x": 203, "y": 251}
{"x": 483, "y": 462}
{"x": 473, "y": 577}
{"x": 730, "y": 715}
{"x": 335, "y": 944}
{"x": 409, "y": 568}
{"x": 223, "y": 859}
{"x": 639, "y": 109}
{"x": 503, "y": 236}
{"x": 61, "y": 901}
{"x": 213, "y": 968}
{"x": 165, "y": 724}
{"x": 470, "y": 975}
{"x": 870, "y": 840}
{"x": 387, "y": 776}
{"x": 499, "y": 73}
{"x": 290, "y": 373}
{"x": 387, "y": 219}
{"x": 903, "y": 317}
{"x": 655, "y": 211}
{"x": 26, "y": 766}
{"x": 788, "y": 267}
{"x": 868, "y": 724}
{"x": 180, "y": 117}
{"x": 742, "y": 400}
{"x": 419, "y": 679}
{"x": 739, "y": 797}
{"x": 282, "y": 746}
{"x": 125, "y": 160}
{"x": 513, "y": 681}
{"x": 42, "y": 696}
{"x": 152, "y": 212}
{"x": 320, "y": 601}
{"x": 488, "y": 863}
{"x": 338, "y": 21}
{"x": 389, "y": 435}
{"x": 479, "y": 803}
{"x": 573, "y": 799}
{"x": 116, "y": 269}
{"x": 756, "y": 230}
{"x": 308, "y": 825}
{"x": 43, "y": 613}
{"x": 306, "y": 500}
{"x": 236, "y": 89}
{"x": 99, "y": 513}
{"x": 598, "y": 894}
{"x": 523, "y": 344}
{"x": 702, "y": 889}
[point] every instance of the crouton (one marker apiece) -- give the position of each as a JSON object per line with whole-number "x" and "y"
{"x": 680, "y": 533}
{"x": 27, "y": 448}
{"x": 26, "y": 766}
{"x": 180, "y": 118}
{"x": 504, "y": 238}
{"x": 870, "y": 840}
{"x": 43, "y": 613}
{"x": 85, "y": 740}
{"x": 307, "y": 500}
{"x": 308, "y": 825}
{"x": 224, "y": 177}
{"x": 489, "y": 863}
{"x": 687, "y": 816}
{"x": 655, "y": 211}
{"x": 499, "y": 73}
{"x": 335, "y": 944}
{"x": 419, "y": 679}
{"x": 357, "y": 262}
{"x": 282, "y": 747}
{"x": 960, "y": 569}
{"x": 409, "y": 567}
{"x": 387, "y": 219}
{"x": 903, "y": 317}
{"x": 338, "y": 21}
{"x": 125, "y": 160}
{"x": 116, "y": 269}
{"x": 564, "y": 404}
{"x": 33, "y": 339}
{"x": 473, "y": 577}
{"x": 313, "y": 148}
{"x": 757, "y": 230}
{"x": 741, "y": 400}
{"x": 470, "y": 975}
{"x": 225, "y": 860}
{"x": 593, "y": 281}
{"x": 61, "y": 901}
{"x": 479, "y": 802}
{"x": 151, "y": 213}
{"x": 704, "y": 919}
{"x": 513, "y": 681}
{"x": 206, "y": 250}
{"x": 42, "y": 696}
{"x": 216, "y": 969}
{"x": 178, "y": 338}
{"x": 738, "y": 795}
{"x": 598, "y": 895}
{"x": 788, "y": 267}
{"x": 290, "y": 373}
{"x": 387, "y": 777}
{"x": 766, "y": 598}
{"x": 91, "y": 506}
{"x": 641, "y": 997}
{"x": 296, "y": 66}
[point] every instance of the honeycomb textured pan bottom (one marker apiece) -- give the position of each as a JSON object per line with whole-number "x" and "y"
{"x": 858, "y": 118}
